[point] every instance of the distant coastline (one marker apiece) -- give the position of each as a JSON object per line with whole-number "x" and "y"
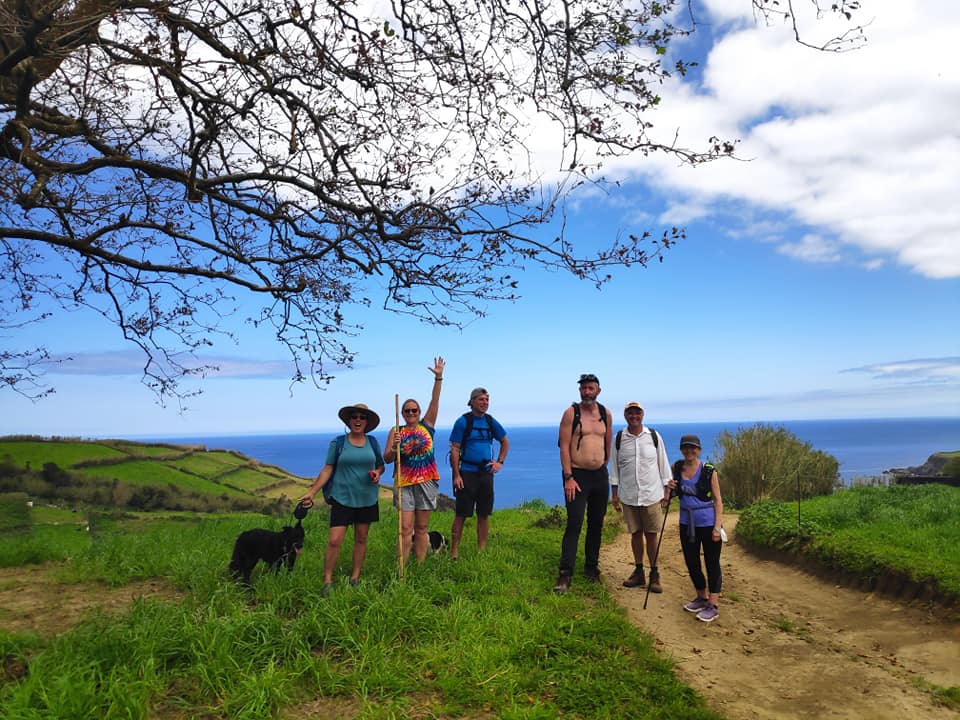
{"x": 865, "y": 448}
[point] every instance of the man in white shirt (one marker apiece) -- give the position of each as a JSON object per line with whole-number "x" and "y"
{"x": 640, "y": 475}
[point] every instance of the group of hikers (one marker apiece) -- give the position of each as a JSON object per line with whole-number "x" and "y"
{"x": 640, "y": 474}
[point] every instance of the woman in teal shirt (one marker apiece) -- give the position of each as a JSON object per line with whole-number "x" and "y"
{"x": 353, "y": 466}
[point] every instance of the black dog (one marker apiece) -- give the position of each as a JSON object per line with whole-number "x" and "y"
{"x": 274, "y": 548}
{"x": 437, "y": 541}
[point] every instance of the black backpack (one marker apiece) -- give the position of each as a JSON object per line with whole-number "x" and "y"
{"x": 470, "y": 417}
{"x": 468, "y": 428}
{"x": 704, "y": 490}
{"x": 341, "y": 441}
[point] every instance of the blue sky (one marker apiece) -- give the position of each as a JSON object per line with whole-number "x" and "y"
{"x": 820, "y": 277}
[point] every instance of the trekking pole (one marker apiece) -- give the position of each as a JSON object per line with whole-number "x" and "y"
{"x": 397, "y": 490}
{"x": 656, "y": 555}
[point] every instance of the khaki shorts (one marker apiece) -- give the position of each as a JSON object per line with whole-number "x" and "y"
{"x": 648, "y": 519}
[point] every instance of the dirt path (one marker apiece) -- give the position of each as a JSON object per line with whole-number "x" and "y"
{"x": 33, "y": 600}
{"x": 789, "y": 645}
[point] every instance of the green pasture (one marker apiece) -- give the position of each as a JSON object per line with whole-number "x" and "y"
{"x": 157, "y": 452}
{"x": 250, "y": 480}
{"x": 147, "y": 472}
{"x": 36, "y": 454}
{"x": 209, "y": 464}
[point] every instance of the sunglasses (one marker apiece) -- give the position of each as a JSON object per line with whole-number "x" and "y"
{"x": 358, "y": 417}
{"x": 588, "y": 377}
{"x": 410, "y": 411}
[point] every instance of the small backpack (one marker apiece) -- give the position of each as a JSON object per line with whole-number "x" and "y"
{"x": 341, "y": 441}
{"x": 704, "y": 490}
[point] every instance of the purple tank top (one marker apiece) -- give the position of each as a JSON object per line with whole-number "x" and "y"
{"x": 693, "y": 510}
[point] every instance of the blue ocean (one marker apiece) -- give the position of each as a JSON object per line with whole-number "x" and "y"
{"x": 865, "y": 448}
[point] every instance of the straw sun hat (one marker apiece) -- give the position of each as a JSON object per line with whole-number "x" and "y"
{"x": 372, "y": 418}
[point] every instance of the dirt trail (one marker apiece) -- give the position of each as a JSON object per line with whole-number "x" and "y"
{"x": 33, "y": 600}
{"x": 788, "y": 644}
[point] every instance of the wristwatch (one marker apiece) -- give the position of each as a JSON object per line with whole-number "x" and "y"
{"x": 567, "y": 476}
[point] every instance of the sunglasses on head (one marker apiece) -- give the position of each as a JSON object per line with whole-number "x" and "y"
{"x": 588, "y": 377}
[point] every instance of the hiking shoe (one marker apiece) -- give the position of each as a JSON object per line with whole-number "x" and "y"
{"x": 354, "y": 582}
{"x": 636, "y": 579}
{"x": 696, "y": 605}
{"x": 709, "y": 613}
{"x": 592, "y": 574}
{"x": 327, "y": 589}
{"x": 563, "y": 584}
{"x": 655, "y": 586}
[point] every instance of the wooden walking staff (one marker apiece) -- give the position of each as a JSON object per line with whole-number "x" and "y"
{"x": 397, "y": 490}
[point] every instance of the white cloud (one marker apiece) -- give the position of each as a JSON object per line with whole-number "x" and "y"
{"x": 861, "y": 148}
{"x": 131, "y": 362}
{"x": 812, "y": 248}
{"x": 945, "y": 369}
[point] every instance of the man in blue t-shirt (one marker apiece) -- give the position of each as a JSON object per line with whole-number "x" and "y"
{"x": 474, "y": 465}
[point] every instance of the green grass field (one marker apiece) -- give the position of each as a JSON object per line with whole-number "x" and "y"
{"x": 480, "y": 637}
{"x": 64, "y": 453}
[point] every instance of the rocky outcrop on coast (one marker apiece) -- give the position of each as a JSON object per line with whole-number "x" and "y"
{"x": 933, "y": 466}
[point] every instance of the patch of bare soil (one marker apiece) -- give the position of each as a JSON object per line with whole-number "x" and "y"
{"x": 33, "y": 600}
{"x": 788, "y": 644}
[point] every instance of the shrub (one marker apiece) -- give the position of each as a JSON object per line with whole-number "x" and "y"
{"x": 767, "y": 462}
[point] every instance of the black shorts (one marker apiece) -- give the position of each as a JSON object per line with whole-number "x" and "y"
{"x": 342, "y": 515}
{"x": 477, "y": 493}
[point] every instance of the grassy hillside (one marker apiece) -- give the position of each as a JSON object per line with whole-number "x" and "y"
{"x": 142, "y": 462}
{"x": 139, "y": 475}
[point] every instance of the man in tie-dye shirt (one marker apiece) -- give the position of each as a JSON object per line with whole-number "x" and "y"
{"x": 419, "y": 476}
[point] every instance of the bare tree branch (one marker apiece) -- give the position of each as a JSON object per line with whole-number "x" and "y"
{"x": 158, "y": 156}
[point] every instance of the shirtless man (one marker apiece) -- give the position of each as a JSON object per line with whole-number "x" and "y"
{"x": 584, "y": 451}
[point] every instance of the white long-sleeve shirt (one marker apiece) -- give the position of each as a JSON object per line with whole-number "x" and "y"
{"x": 640, "y": 470}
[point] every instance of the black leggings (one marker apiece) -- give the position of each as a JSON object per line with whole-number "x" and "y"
{"x": 711, "y": 557}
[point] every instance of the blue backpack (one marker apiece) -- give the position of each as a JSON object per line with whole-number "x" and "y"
{"x": 341, "y": 441}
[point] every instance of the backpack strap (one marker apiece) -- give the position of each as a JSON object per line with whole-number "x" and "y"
{"x": 468, "y": 428}
{"x": 469, "y": 418}
{"x": 619, "y": 438}
{"x": 341, "y": 441}
{"x": 704, "y": 486}
{"x": 578, "y": 424}
{"x": 375, "y": 444}
{"x": 328, "y": 488}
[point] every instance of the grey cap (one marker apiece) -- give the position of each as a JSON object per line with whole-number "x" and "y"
{"x": 690, "y": 440}
{"x": 477, "y": 392}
